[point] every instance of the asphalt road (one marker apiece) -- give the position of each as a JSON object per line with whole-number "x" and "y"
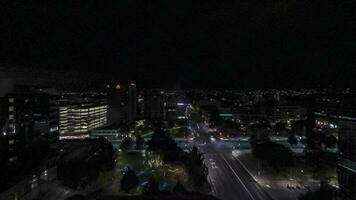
{"x": 228, "y": 177}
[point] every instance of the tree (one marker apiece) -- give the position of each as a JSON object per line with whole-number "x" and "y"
{"x": 153, "y": 186}
{"x": 77, "y": 197}
{"x": 325, "y": 192}
{"x": 292, "y": 140}
{"x": 298, "y": 127}
{"x": 253, "y": 139}
{"x": 164, "y": 145}
{"x": 320, "y": 137}
{"x": 197, "y": 170}
{"x": 129, "y": 181}
{"x": 79, "y": 168}
{"x": 139, "y": 142}
{"x": 259, "y": 133}
{"x": 275, "y": 155}
{"x": 126, "y": 144}
{"x": 215, "y": 118}
{"x": 310, "y": 133}
{"x": 179, "y": 188}
{"x": 279, "y": 127}
{"x": 4, "y": 157}
{"x": 330, "y": 141}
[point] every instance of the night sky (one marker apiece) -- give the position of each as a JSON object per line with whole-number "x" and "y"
{"x": 238, "y": 44}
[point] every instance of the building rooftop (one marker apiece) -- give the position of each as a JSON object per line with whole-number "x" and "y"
{"x": 109, "y": 126}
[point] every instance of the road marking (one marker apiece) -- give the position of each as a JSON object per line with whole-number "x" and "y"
{"x": 243, "y": 165}
{"x": 249, "y": 193}
{"x": 254, "y": 178}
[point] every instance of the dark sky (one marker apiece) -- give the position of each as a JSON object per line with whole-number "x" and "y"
{"x": 186, "y": 43}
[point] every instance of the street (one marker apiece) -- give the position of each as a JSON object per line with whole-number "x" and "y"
{"x": 228, "y": 178}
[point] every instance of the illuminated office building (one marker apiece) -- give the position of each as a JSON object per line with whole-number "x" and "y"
{"x": 81, "y": 118}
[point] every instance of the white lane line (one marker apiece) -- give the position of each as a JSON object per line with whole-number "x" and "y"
{"x": 254, "y": 178}
{"x": 243, "y": 165}
{"x": 249, "y": 193}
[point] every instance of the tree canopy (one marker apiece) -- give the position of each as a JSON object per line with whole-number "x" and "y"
{"x": 273, "y": 154}
{"x": 79, "y": 168}
{"x": 163, "y": 144}
{"x": 126, "y": 144}
{"x": 292, "y": 140}
{"x": 129, "y": 181}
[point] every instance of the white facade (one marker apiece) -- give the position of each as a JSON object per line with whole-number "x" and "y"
{"x": 80, "y": 119}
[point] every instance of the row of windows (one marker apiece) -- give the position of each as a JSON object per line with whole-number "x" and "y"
{"x": 82, "y": 127}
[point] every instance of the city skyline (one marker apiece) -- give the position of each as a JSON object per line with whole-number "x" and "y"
{"x": 213, "y": 144}
{"x": 178, "y": 100}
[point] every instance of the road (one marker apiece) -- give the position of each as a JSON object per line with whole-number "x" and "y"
{"x": 228, "y": 177}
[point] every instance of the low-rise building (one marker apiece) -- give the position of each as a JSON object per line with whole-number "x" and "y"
{"x": 286, "y": 114}
{"x": 113, "y": 133}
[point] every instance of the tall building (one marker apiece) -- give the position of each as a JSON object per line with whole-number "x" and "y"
{"x": 32, "y": 116}
{"x": 3, "y": 114}
{"x": 122, "y": 103}
{"x": 80, "y": 118}
{"x": 347, "y": 164}
{"x": 132, "y": 102}
{"x": 28, "y": 118}
{"x": 176, "y": 108}
{"x": 155, "y": 105}
{"x": 6, "y": 86}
